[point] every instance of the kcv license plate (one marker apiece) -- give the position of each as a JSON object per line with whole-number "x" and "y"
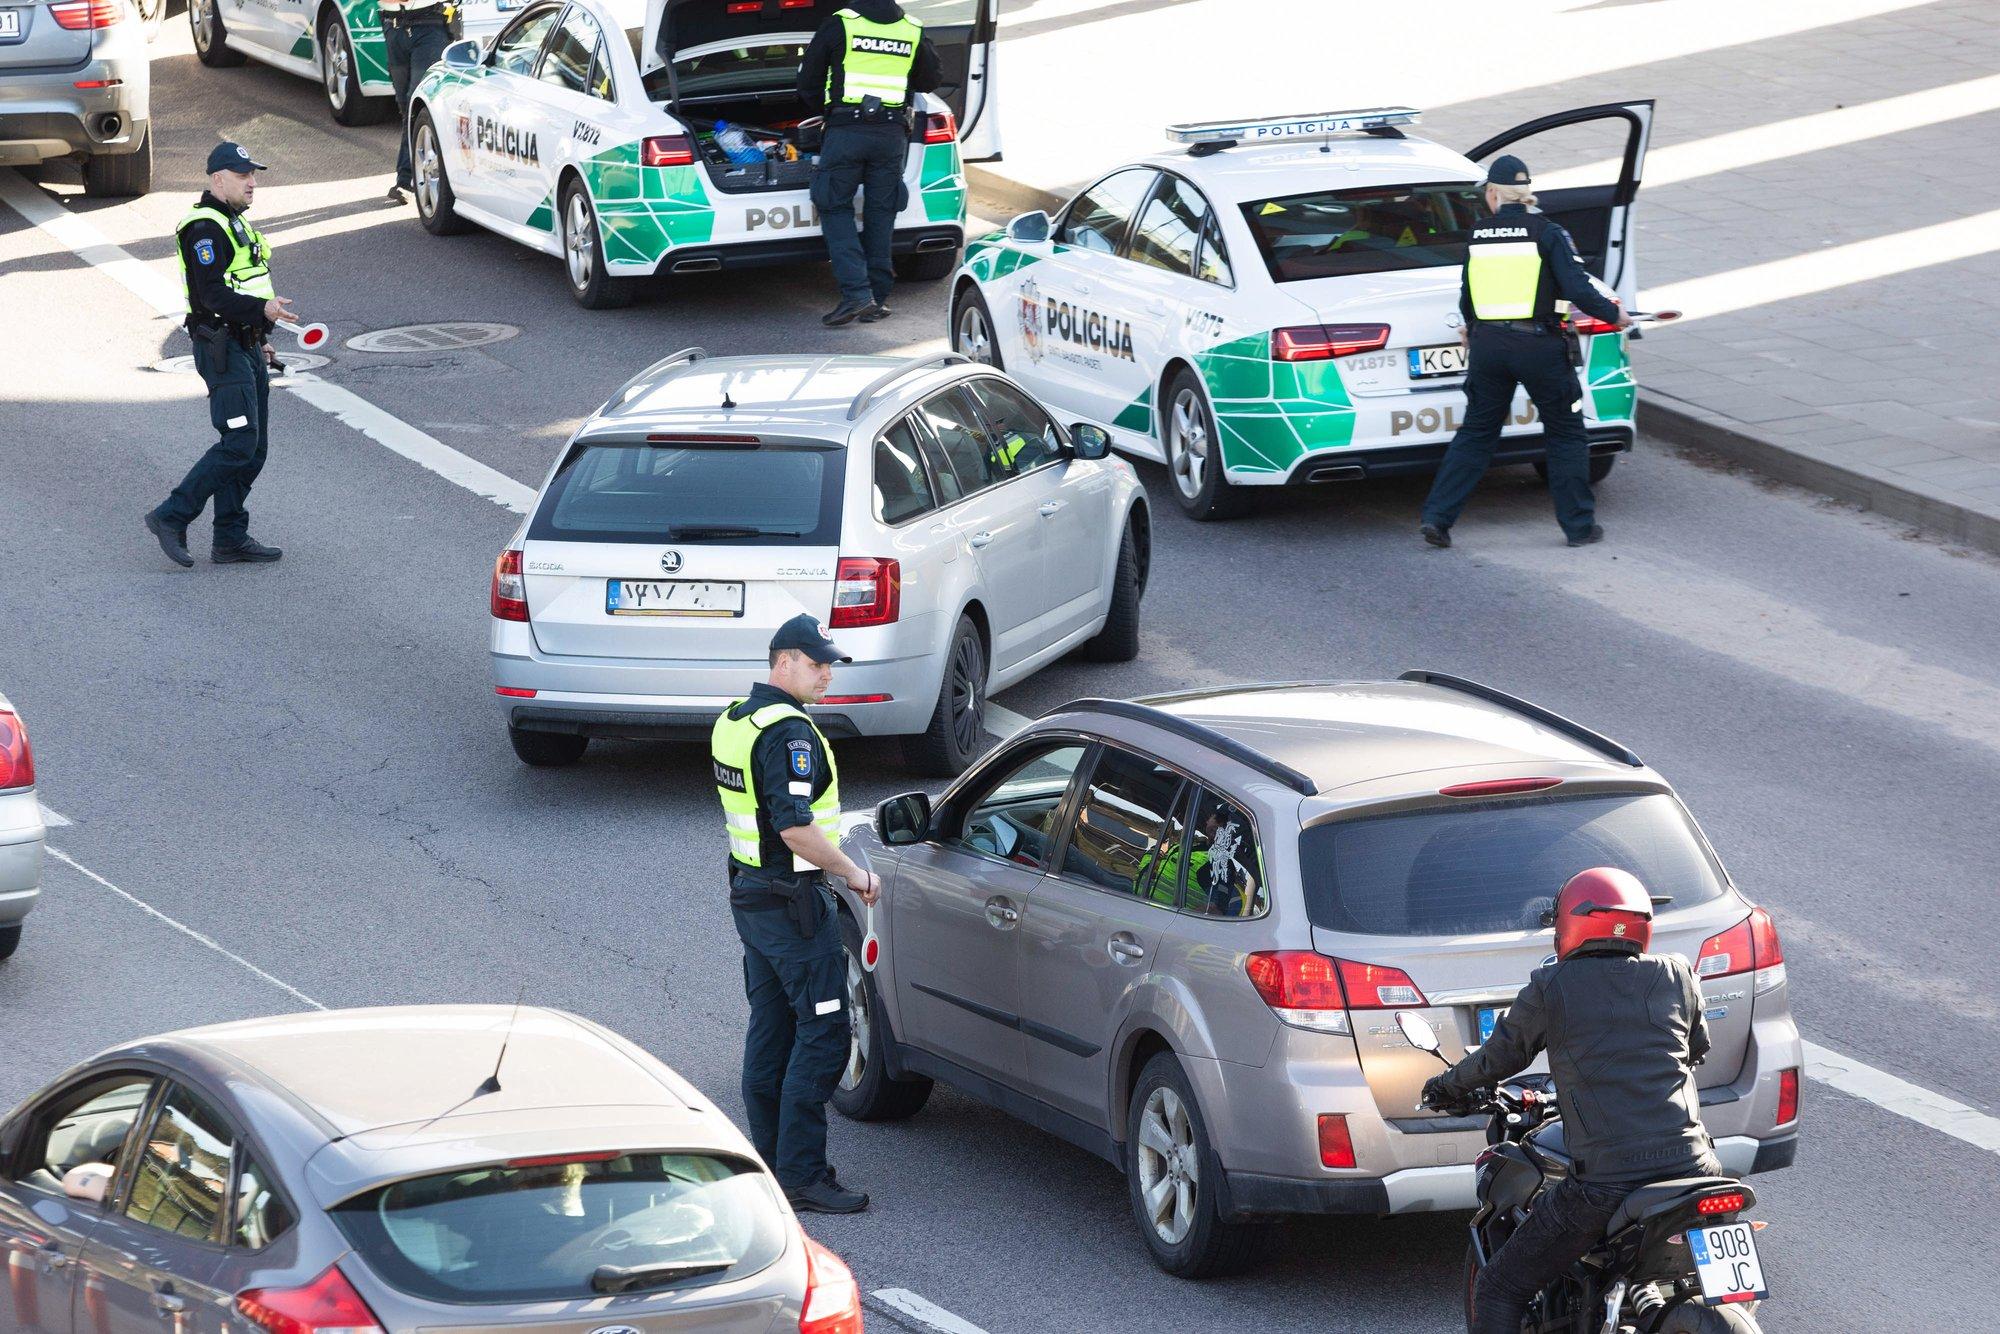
{"x": 1445, "y": 359}
{"x": 671, "y": 597}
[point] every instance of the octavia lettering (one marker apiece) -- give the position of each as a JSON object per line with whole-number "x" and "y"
{"x": 510, "y": 141}
{"x": 1088, "y": 328}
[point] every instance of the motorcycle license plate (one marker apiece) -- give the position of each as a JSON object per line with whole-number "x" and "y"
{"x": 1489, "y": 1015}
{"x": 1725, "y": 1261}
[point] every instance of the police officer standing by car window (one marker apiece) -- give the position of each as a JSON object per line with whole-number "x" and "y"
{"x": 226, "y": 268}
{"x": 414, "y": 36}
{"x": 1518, "y": 265}
{"x": 861, "y": 69}
{"x": 780, "y": 794}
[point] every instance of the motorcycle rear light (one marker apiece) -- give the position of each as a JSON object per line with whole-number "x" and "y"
{"x": 1324, "y": 342}
{"x": 1498, "y": 787}
{"x": 17, "y": 757}
{"x": 1788, "y": 1097}
{"x": 1336, "y": 1146}
{"x": 327, "y": 1305}
{"x": 81, "y": 14}
{"x": 667, "y": 150}
{"x": 940, "y": 127}
{"x": 1729, "y": 1202}
{"x": 1301, "y": 988}
{"x": 510, "y": 588}
{"x": 866, "y": 591}
{"x": 833, "y": 1299}
{"x": 1372, "y": 987}
{"x": 513, "y": 692}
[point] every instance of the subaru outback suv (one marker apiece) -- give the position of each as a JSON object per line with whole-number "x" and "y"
{"x": 1176, "y": 932}
{"x": 75, "y": 83}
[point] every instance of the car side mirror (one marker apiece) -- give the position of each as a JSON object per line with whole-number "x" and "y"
{"x": 901, "y": 821}
{"x": 1033, "y": 227}
{"x": 1089, "y": 442}
{"x": 461, "y": 55}
{"x": 88, "y": 1181}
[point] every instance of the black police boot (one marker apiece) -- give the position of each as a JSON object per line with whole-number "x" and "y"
{"x": 395, "y": 195}
{"x": 879, "y": 311}
{"x": 826, "y": 1196}
{"x": 173, "y": 541}
{"x": 1596, "y": 534}
{"x": 1436, "y": 534}
{"x": 845, "y": 313}
{"x": 249, "y": 551}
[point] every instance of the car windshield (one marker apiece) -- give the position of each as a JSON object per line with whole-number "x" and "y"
{"x": 1338, "y": 233}
{"x": 1496, "y": 866}
{"x": 568, "y": 1230}
{"x": 761, "y": 495}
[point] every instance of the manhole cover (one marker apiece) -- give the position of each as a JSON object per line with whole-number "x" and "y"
{"x": 294, "y": 361}
{"x": 449, "y": 337}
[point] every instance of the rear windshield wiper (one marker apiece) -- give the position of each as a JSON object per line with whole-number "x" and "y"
{"x": 618, "y": 1278}
{"x": 691, "y": 534}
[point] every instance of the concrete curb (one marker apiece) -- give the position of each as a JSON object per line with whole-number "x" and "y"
{"x": 1008, "y": 198}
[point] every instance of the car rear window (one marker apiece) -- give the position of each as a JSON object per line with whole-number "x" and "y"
{"x": 752, "y": 495}
{"x": 1337, "y": 233}
{"x": 569, "y": 1230}
{"x": 1466, "y": 870}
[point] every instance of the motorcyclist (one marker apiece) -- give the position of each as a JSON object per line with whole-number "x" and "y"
{"x": 1623, "y": 1030}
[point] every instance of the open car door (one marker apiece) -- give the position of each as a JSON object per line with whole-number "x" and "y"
{"x": 1592, "y": 201}
{"x": 964, "y": 33}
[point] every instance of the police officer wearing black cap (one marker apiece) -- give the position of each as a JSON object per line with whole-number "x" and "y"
{"x": 1519, "y": 265}
{"x": 232, "y": 308}
{"x": 780, "y": 793}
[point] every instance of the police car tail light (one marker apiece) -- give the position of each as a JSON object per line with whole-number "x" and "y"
{"x": 327, "y": 1305}
{"x": 1300, "y": 987}
{"x": 866, "y": 591}
{"x": 1324, "y": 342}
{"x": 940, "y": 127}
{"x": 833, "y": 1299}
{"x": 510, "y": 588}
{"x": 77, "y": 14}
{"x": 1788, "y": 1097}
{"x": 17, "y": 757}
{"x": 667, "y": 150}
{"x": 1370, "y": 986}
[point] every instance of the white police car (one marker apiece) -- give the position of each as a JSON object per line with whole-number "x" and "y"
{"x": 1277, "y": 301}
{"x": 588, "y": 130}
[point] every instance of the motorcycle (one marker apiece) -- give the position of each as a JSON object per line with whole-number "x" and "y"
{"x": 1677, "y": 1258}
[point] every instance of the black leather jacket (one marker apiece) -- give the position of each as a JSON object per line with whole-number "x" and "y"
{"x": 1623, "y": 1032}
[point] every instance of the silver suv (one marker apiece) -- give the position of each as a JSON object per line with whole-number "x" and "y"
{"x": 1176, "y": 932}
{"x": 75, "y": 83}
{"x": 947, "y": 531}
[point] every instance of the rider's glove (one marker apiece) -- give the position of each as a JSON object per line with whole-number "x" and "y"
{"x": 1440, "y": 1095}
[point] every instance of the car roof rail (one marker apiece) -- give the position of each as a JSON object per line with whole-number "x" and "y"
{"x": 686, "y": 356}
{"x": 1198, "y": 733}
{"x": 897, "y": 372}
{"x": 1548, "y": 718}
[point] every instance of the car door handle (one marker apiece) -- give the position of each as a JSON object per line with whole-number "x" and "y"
{"x": 1124, "y": 949}
{"x": 168, "y": 1302}
{"x": 978, "y": 540}
{"x": 1049, "y": 509}
{"x": 1001, "y": 914}
{"x": 1083, "y": 289}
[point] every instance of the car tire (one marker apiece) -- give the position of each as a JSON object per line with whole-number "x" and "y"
{"x": 437, "y": 206}
{"x": 583, "y": 253}
{"x": 547, "y": 750}
{"x": 1691, "y": 1317}
{"x": 121, "y": 175}
{"x": 205, "y": 22}
{"x": 1471, "y": 1283}
{"x": 958, "y": 723}
{"x": 340, "y": 77}
{"x": 927, "y": 266}
{"x": 10, "y": 940}
{"x": 972, "y": 332}
{"x": 1194, "y": 452}
{"x": 1600, "y": 467}
{"x": 866, "y": 1092}
{"x": 1194, "y": 1240}
{"x": 1118, "y": 641}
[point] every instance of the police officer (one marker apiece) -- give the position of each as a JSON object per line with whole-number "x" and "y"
{"x": 861, "y": 69}
{"x": 1520, "y": 269}
{"x": 226, "y": 268}
{"x": 780, "y": 794}
{"x": 414, "y": 36}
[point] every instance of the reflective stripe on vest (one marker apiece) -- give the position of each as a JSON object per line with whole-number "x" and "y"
{"x": 730, "y": 747}
{"x": 1502, "y": 277}
{"x": 876, "y": 59}
{"x": 249, "y": 270}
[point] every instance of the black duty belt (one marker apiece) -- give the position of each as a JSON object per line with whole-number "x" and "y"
{"x": 1516, "y": 326}
{"x": 416, "y": 18}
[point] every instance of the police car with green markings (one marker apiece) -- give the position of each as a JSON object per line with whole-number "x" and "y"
{"x": 1275, "y": 301}
{"x": 592, "y": 130}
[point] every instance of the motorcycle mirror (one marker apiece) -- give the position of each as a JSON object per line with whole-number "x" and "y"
{"x": 1420, "y": 1034}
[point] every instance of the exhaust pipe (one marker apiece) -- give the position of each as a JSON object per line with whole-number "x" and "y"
{"x": 1346, "y": 472}
{"x": 936, "y": 243}
{"x": 109, "y": 124}
{"x": 698, "y": 264}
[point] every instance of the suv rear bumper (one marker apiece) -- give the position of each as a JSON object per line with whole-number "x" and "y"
{"x": 21, "y": 837}
{"x": 44, "y": 115}
{"x": 1357, "y": 465}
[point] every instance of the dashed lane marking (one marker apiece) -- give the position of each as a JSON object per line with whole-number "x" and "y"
{"x": 1905, "y": 1099}
{"x": 1001, "y": 722}
{"x": 926, "y": 1313}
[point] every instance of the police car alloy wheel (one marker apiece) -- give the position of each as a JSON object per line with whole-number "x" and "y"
{"x": 436, "y": 204}
{"x": 337, "y": 75}
{"x": 972, "y": 329}
{"x": 583, "y": 254}
{"x": 1193, "y": 456}
{"x": 206, "y": 26}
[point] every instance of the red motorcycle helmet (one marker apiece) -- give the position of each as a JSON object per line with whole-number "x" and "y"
{"x": 1603, "y": 903}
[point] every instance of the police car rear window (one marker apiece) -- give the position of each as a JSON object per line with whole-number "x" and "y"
{"x": 756, "y": 495}
{"x": 1339, "y": 233}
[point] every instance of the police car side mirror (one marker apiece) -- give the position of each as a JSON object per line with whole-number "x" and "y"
{"x": 904, "y": 820}
{"x": 461, "y": 55}
{"x": 1031, "y": 227}
{"x": 1089, "y": 442}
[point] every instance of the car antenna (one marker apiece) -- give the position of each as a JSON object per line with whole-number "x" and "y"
{"x": 492, "y": 1084}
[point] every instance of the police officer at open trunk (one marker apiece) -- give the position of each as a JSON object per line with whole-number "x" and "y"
{"x": 861, "y": 69}
{"x": 781, "y": 799}
{"x": 1521, "y": 275}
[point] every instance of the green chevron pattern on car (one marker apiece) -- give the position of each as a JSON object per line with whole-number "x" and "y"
{"x": 1608, "y": 374}
{"x": 1138, "y": 414}
{"x": 990, "y": 257}
{"x": 302, "y": 49}
{"x": 1269, "y": 413}
{"x": 942, "y": 184}
{"x": 642, "y": 212}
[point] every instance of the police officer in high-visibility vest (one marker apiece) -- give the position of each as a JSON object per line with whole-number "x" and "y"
{"x": 780, "y": 794}
{"x": 1521, "y": 273}
{"x": 232, "y": 308}
{"x": 414, "y": 36}
{"x": 862, "y": 69}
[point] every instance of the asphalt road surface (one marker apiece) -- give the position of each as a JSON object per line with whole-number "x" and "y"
{"x": 304, "y": 763}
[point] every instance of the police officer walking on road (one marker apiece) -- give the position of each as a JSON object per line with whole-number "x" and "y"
{"x": 780, "y": 794}
{"x": 861, "y": 69}
{"x": 226, "y": 269}
{"x": 414, "y": 35}
{"x": 1520, "y": 269}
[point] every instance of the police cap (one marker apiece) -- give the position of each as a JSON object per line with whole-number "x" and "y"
{"x": 232, "y": 157}
{"x": 803, "y": 633}
{"x": 1507, "y": 170}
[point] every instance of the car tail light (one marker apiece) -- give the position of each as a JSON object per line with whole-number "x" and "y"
{"x": 1788, "y": 1097}
{"x": 1590, "y": 326}
{"x": 1372, "y": 987}
{"x": 667, "y": 150}
{"x": 1300, "y": 987}
{"x": 1751, "y": 944}
{"x": 833, "y": 1298}
{"x": 1498, "y": 787}
{"x": 514, "y": 692}
{"x": 510, "y": 588}
{"x": 1336, "y": 1146}
{"x": 327, "y": 1305}
{"x": 78, "y": 14}
{"x": 17, "y": 757}
{"x": 1729, "y": 1202}
{"x": 744, "y": 6}
{"x": 940, "y": 127}
{"x": 866, "y": 591}
{"x": 89, "y": 84}
{"x": 1323, "y": 342}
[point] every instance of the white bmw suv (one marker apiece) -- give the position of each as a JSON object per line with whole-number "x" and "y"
{"x": 947, "y": 531}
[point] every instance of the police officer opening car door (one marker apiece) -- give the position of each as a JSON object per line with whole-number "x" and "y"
{"x": 780, "y": 794}
{"x": 860, "y": 70}
{"x": 232, "y": 307}
{"x": 1521, "y": 271}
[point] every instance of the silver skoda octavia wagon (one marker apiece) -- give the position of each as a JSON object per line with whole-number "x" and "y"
{"x": 1176, "y": 932}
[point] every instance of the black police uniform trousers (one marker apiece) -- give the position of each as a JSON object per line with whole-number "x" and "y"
{"x": 868, "y": 158}
{"x": 239, "y": 403}
{"x": 1500, "y": 358}
{"x": 796, "y": 1046}
{"x": 1566, "y": 1221}
{"x": 413, "y": 45}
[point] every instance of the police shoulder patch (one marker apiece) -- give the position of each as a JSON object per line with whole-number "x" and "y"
{"x": 801, "y": 757}
{"x": 204, "y": 252}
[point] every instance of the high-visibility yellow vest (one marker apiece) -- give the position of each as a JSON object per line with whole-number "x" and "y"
{"x": 249, "y": 270}
{"x": 876, "y": 59}
{"x": 730, "y": 747}
{"x": 1503, "y": 267}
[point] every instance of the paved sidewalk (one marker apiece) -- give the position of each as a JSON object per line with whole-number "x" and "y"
{"x": 1842, "y": 283}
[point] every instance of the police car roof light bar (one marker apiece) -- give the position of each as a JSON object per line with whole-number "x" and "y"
{"x": 1548, "y": 718}
{"x": 1198, "y": 733}
{"x": 1206, "y": 137}
{"x": 689, "y": 355}
{"x": 895, "y": 373}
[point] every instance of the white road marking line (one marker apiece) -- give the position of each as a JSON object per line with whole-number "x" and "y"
{"x": 89, "y": 244}
{"x": 927, "y": 1313}
{"x": 182, "y": 927}
{"x": 1903, "y": 1098}
{"x": 1002, "y": 722}
{"x": 52, "y": 819}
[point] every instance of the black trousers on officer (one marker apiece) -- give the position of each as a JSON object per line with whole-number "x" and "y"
{"x": 797, "y": 1043}
{"x": 1565, "y": 1222}
{"x": 412, "y": 47}
{"x": 239, "y": 403}
{"x": 868, "y": 158}
{"x": 1500, "y": 359}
